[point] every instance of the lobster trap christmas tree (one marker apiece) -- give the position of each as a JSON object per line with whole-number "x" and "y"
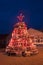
{"x": 20, "y": 42}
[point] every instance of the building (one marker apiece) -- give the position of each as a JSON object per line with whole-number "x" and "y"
{"x": 37, "y": 36}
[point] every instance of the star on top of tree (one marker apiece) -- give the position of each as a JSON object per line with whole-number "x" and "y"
{"x": 20, "y": 17}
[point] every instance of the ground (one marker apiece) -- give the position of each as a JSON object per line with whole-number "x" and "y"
{"x": 32, "y": 60}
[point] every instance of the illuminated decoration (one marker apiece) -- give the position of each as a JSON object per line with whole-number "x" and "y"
{"x": 20, "y": 42}
{"x": 20, "y": 17}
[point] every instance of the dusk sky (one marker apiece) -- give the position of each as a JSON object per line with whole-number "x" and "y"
{"x": 9, "y": 9}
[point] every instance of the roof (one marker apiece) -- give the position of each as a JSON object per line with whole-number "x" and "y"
{"x": 35, "y": 32}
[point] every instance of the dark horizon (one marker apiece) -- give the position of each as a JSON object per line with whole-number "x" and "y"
{"x": 9, "y": 9}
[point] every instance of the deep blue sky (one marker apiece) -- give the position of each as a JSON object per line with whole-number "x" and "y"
{"x": 9, "y": 9}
